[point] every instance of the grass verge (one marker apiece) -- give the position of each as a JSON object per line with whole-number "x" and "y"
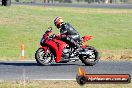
{"x": 58, "y": 84}
{"x": 111, "y": 28}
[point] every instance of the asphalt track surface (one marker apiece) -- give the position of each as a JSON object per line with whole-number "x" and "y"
{"x": 29, "y": 70}
{"x": 115, "y": 6}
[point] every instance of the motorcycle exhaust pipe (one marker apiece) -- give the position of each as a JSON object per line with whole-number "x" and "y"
{"x": 74, "y": 59}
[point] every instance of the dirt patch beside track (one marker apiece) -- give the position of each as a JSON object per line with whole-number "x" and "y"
{"x": 125, "y": 54}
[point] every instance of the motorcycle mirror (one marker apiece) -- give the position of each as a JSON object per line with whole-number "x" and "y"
{"x": 49, "y": 29}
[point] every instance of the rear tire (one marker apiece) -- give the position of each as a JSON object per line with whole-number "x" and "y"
{"x": 44, "y": 58}
{"x": 87, "y": 60}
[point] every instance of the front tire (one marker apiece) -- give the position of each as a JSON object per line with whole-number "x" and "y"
{"x": 44, "y": 57}
{"x": 91, "y": 56}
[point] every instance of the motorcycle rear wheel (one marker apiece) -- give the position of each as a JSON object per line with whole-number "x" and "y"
{"x": 44, "y": 58}
{"x": 90, "y": 60}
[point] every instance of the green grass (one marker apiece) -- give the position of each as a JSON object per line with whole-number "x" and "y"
{"x": 111, "y": 28}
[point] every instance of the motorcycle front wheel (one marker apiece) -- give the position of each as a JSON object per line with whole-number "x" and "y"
{"x": 90, "y": 56}
{"x": 44, "y": 57}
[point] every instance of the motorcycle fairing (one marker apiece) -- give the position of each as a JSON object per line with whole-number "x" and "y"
{"x": 86, "y": 38}
{"x": 57, "y": 46}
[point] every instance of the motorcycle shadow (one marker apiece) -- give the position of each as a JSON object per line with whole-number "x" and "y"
{"x": 67, "y": 64}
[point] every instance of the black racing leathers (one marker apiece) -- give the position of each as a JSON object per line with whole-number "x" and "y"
{"x": 70, "y": 35}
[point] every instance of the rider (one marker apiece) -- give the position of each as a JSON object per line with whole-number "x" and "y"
{"x": 67, "y": 32}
